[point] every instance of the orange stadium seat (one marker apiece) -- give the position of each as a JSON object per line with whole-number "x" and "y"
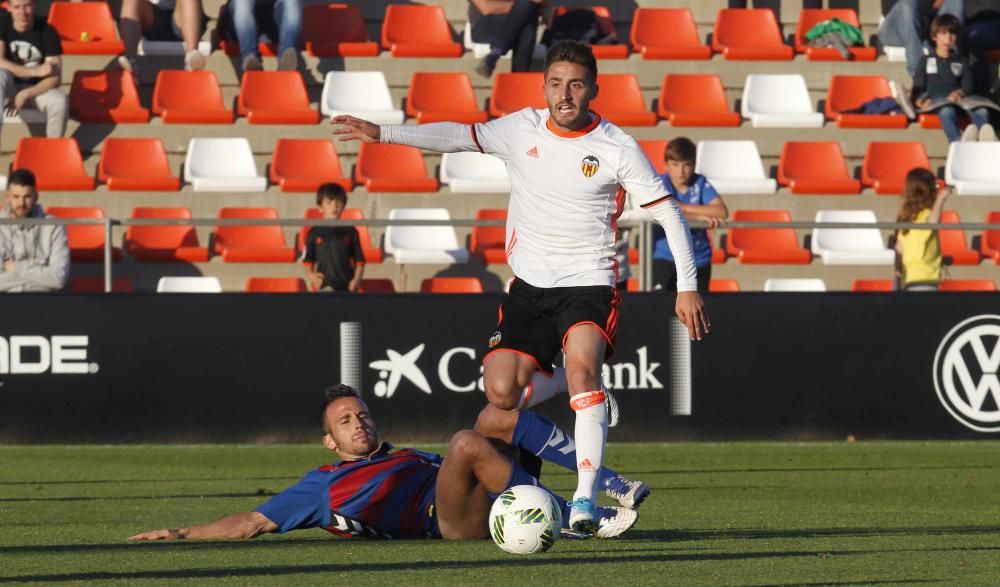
{"x": 86, "y": 241}
{"x": 276, "y": 285}
{"x": 610, "y": 51}
{"x": 136, "y": 165}
{"x": 620, "y": 100}
{"x": 967, "y": 285}
{"x": 275, "y": 97}
{"x": 106, "y": 96}
{"x": 516, "y": 91}
{"x": 416, "y": 30}
{"x": 451, "y": 285}
{"x": 848, "y": 92}
{"x": 766, "y": 245}
{"x": 372, "y": 253}
{"x": 667, "y": 33}
{"x": 489, "y": 242}
{"x": 723, "y": 285}
{"x": 336, "y": 30}
{"x": 96, "y": 285}
{"x": 443, "y": 97}
{"x": 57, "y": 163}
{"x": 654, "y": 150}
{"x": 392, "y": 168}
{"x": 749, "y": 34}
{"x": 85, "y": 28}
{"x": 151, "y": 243}
{"x": 953, "y": 242}
{"x": 302, "y": 165}
{"x": 886, "y": 164}
{"x": 632, "y": 285}
{"x": 377, "y": 285}
{"x": 251, "y": 244}
{"x": 695, "y": 100}
{"x": 189, "y": 97}
{"x": 815, "y": 167}
{"x": 989, "y": 244}
{"x": 872, "y": 285}
{"x": 810, "y": 17}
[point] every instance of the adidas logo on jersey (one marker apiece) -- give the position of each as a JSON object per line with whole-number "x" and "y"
{"x": 533, "y": 152}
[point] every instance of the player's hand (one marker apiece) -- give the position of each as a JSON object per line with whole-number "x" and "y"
{"x": 923, "y": 103}
{"x": 164, "y": 534}
{"x": 955, "y": 96}
{"x": 352, "y": 129}
{"x": 20, "y": 99}
{"x": 714, "y": 222}
{"x": 691, "y": 311}
{"x": 316, "y": 280}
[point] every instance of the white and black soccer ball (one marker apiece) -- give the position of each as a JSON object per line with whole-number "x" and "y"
{"x": 525, "y": 520}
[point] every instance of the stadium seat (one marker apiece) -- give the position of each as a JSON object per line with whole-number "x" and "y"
{"x": 695, "y": 100}
{"x": 57, "y": 163}
{"x": 189, "y": 97}
{"x": 107, "y": 97}
{"x": 850, "y": 246}
{"x": 667, "y": 33}
{"x": 516, "y": 91}
{"x": 372, "y": 252}
{"x": 765, "y": 245}
{"x": 200, "y": 284}
{"x": 96, "y": 285}
{"x": 489, "y": 242}
{"x": 778, "y": 100}
{"x": 86, "y": 241}
{"x": 815, "y": 167}
{"x": 302, "y": 165}
{"x": 849, "y": 92}
{"x": 723, "y": 285}
{"x": 654, "y": 150}
{"x": 136, "y": 165}
{"x": 886, "y": 164}
{"x": 810, "y": 17}
{"x": 451, "y": 285}
{"x": 989, "y": 244}
{"x": 472, "y": 172}
{"x": 611, "y": 50}
{"x": 749, "y": 34}
{"x": 967, "y": 285}
{"x": 423, "y": 244}
{"x": 222, "y": 165}
{"x": 251, "y": 243}
{"x": 275, "y": 97}
{"x": 733, "y": 167}
{"x": 794, "y": 285}
{"x": 872, "y": 285}
{"x": 443, "y": 97}
{"x": 415, "y": 30}
{"x": 364, "y": 94}
{"x": 620, "y": 100}
{"x": 378, "y": 285}
{"x": 972, "y": 168}
{"x": 392, "y": 168}
{"x": 276, "y": 285}
{"x": 149, "y": 243}
{"x": 336, "y": 30}
{"x": 954, "y": 245}
{"x": 85, "y": 28}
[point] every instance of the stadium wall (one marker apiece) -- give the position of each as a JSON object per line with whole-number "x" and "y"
{"x": 235, "y": 368}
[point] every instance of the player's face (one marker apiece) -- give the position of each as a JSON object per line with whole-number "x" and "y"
{"x": 22, "y": 13}
{"x": 331, "y": 209}
{"x": 352, "y": 431}
{"x": 21, "y": 200}
{"x": 680, "y": 172}
{"x": 568, "y": 92}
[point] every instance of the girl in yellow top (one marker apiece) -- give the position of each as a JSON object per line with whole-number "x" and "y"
{"x": 918, "y": 252}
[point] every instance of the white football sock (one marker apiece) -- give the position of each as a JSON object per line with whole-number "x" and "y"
{"x": 591, "y": 434}
{"x": 543, "y": 387}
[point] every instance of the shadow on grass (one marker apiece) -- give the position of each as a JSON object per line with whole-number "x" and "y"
{"x": 892, "y": 581}
{"x": 676, "y": 535}
{"x": 146, "y": 481}
{"x": 258, "y": 493}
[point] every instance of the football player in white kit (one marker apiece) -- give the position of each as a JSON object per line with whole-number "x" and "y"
{"x": 570, "y": 170}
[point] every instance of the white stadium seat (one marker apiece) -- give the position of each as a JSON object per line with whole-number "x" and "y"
{"x": 423, "y": 244}
{"x": 473, "y": 172}
{"x": 973, "y": 168}
{"x": 189, "y": 285}
{"x": 734, "y": 167}
{"x": 792, "y": 284}
{"x": 850, "y": 246}
{"x": 779, "y": 100}
{"x": 364, "y": 94}
{"x": 222, "y": 165}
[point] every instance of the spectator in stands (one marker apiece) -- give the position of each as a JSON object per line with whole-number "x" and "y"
{"x": 31, "y": 66}
{"x": 698, "y": 200}
{"x": 162, "y": 20}
{"x": 775, "y": 5}
{"x": 35, "y": 256}
{"x": 333, "y": 253}
{"x": 982, "y": 34}
{"x": 506, "y": 25}
{"x": 943, "y": 79}
{"x": 905, "y": 25}
{"x": 918, "y": 252}
{"x": 279, "y": 20}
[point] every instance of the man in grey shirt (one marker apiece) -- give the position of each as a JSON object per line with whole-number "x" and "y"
{"x": 35, "y": 256}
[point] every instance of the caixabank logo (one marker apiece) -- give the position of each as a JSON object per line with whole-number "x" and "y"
{"x": 58, "y": 354}
{"x": 965, "y": 373}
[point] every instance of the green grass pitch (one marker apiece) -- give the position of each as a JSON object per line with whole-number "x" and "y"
{"x": 883, "y": 513}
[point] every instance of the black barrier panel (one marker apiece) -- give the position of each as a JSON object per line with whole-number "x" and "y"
{"x": 251, "y": 367}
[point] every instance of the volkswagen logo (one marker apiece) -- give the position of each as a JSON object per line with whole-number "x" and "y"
{"x": 965, "y": 373}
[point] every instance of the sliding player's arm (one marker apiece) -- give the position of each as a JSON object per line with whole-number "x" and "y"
{"x": 240, "y": 526}
{"x": 444, "y": 137}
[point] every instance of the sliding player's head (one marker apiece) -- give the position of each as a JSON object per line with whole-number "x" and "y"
{"x": 349, "y": 428}
{"x": 570, "y": 84}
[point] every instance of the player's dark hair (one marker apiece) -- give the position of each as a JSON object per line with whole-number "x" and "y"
{"x": 23, "y": 177}
{"x": 948, "y": 23}
{"x": 680, "y": 149}
{"x": 332, "y": 394}
{"x": 330, "y": 191}
{"x": 573, "y": 52}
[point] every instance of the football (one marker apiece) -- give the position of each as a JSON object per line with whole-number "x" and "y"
{"x": 525, "y": 520}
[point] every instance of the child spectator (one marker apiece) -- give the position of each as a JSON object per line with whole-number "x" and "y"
{"x": 333, "y": 253}
{"x": 918, "y": 252}
{"x": 698, "y": 200}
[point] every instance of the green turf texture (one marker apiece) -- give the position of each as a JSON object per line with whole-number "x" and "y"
{"x": 886, "y": 513}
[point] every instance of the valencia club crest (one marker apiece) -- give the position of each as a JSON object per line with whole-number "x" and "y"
{"x": 589, "y": 165}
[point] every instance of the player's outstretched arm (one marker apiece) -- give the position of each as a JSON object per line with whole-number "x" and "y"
{"x": 355, "y": 129}
{"x": 691, "y": 311}
{"x": 235, "y": 527}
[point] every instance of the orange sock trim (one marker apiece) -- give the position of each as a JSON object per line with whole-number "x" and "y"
{"x": 585, "y": 400}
